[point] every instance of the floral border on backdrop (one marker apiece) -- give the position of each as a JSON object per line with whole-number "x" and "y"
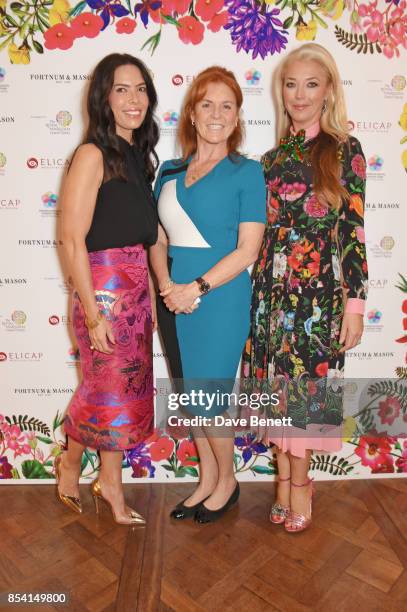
{"x": 257, "y": 27}
{"x": 28, "y": 447}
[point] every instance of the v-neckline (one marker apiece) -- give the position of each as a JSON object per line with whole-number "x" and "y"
{"x": 204, "y": 176}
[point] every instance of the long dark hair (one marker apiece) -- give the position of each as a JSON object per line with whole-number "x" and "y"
{"x": 102, "y": 126}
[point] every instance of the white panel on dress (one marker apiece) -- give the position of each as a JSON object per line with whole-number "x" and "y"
{"x": 181, "y": 231}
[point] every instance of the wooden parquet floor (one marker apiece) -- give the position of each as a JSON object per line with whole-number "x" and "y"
{"x": 354, "y": 557}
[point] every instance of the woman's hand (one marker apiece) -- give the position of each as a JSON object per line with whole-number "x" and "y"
{"x": 181, "y": 298}
{"x": 101, "y": 335}
{"x": 351, "y": 331}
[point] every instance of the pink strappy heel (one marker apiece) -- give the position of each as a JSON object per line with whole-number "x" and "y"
{"x": 295, "y": 521}
{"x": 278, "y": 512}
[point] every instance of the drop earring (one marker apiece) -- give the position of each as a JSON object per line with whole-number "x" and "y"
{"x": 193, "y": 122}
{"x": 324, "y": 107}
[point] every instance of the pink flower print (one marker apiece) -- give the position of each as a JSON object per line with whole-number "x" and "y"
{"x": 14, "y": 437}
{"x": 359, "y": 166}
{"x": 314, "y": 208}
{"x": 273, "y": 185}
{"x": 374, "y": 25}
{"x": 401, "y": 462}
{"x": 389, "y": 410}
{"x": 292, "y": 191}
{"x": 360, "y": 234}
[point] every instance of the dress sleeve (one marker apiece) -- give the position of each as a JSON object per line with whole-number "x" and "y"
{"x": 351, "y": 233}
{"x": 252, "y": 194}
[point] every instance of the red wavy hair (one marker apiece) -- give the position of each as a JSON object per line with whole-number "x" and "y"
{"x": 186, "y": 132}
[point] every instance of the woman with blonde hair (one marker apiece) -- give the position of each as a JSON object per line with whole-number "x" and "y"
{"x": 212, "y": 209}
{"x": 310, "y": 280}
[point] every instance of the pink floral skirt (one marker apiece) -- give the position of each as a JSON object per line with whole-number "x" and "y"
{"x": 323, "y": 438}
{"x": 113, "y": 407}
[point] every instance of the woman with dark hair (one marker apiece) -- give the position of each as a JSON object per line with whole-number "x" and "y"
{"x": 108, "y": 219}
{"x": 211, "y": 205}
{"x": 310, "y": 281}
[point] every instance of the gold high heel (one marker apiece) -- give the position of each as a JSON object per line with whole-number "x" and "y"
{"x": 135, "y": 517}
{"x": 74, "y": 503}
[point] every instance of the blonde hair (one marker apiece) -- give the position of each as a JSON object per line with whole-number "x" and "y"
{"x": 333, "y": 122}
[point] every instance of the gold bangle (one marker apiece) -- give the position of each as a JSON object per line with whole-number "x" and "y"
{"x": 95, "y": 322}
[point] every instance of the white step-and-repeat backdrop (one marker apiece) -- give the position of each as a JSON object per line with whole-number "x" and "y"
{"x": 47, "y": 52}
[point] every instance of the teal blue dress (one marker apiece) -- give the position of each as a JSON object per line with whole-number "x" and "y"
{"x": 202, "y": 225}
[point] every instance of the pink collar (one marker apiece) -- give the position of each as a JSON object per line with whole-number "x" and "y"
{"x": 310, "y": 132}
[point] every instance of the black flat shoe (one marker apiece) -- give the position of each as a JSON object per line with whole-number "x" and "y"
{"x": 182, "y": 512}
{"x": 204, "y": 515}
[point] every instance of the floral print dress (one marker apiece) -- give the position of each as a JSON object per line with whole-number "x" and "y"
{"x": 310, "y": 252}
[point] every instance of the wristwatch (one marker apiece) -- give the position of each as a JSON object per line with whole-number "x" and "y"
{"x": 204, "y": 286}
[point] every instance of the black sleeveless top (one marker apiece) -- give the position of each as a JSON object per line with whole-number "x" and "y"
{"x": 125, "y": 212}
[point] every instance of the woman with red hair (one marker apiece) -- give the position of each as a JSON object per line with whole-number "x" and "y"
{"x": 211, "y": 205}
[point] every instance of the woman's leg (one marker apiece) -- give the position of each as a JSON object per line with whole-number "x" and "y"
{"x": 71, "y": 468}
{"x": 222, "y": 449}
{"x": 283, "y": 483}
{"x": 110, "y": 480}
{"x": 208, "y": 469}
{"x": 300, "y": 496}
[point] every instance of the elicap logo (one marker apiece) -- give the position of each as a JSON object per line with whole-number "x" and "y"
{"x": 2, "y": 74}
{"x": 21, "y": 356}
{"x": 47, "y": 163}
{"x": 57, "y": 319}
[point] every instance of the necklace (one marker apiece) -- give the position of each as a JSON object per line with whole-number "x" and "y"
{"x": 195, "y": 175}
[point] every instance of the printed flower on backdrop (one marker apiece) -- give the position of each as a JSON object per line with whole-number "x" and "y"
{"x": 373, "y": 450}
{"x": 187, "y": 453}
{"x": 175, "y": 6}
{"x": 249, "y": 446}
{"x": 125, "y": 26}
{"x": 373, "y": 23}
{"x": 401, "y": 462}
{"x": 207, "y": 9}
{"x": 146, "y": 8}
{"x": 255, "y": 28}
{"x": 218, "y": 21}
{"x": 60, "y": 36}
{"x": 190, "y": 30}
{"x": 389, "y": 410}
{"x": 59, "y": 12}
{"x": 359, "y": 166}
{"x": 332, "y": 8}
{"x": 108, "y": 9}
{"x": 307, "y": 31}
{"x": 18, "y": 55}
{"x": 139, "y": 460}
{"x": 384, "y": 465}
{"x": 162, "y": 449}
{"x": 87, "y": 24}
{"x": 5, "y": 468}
